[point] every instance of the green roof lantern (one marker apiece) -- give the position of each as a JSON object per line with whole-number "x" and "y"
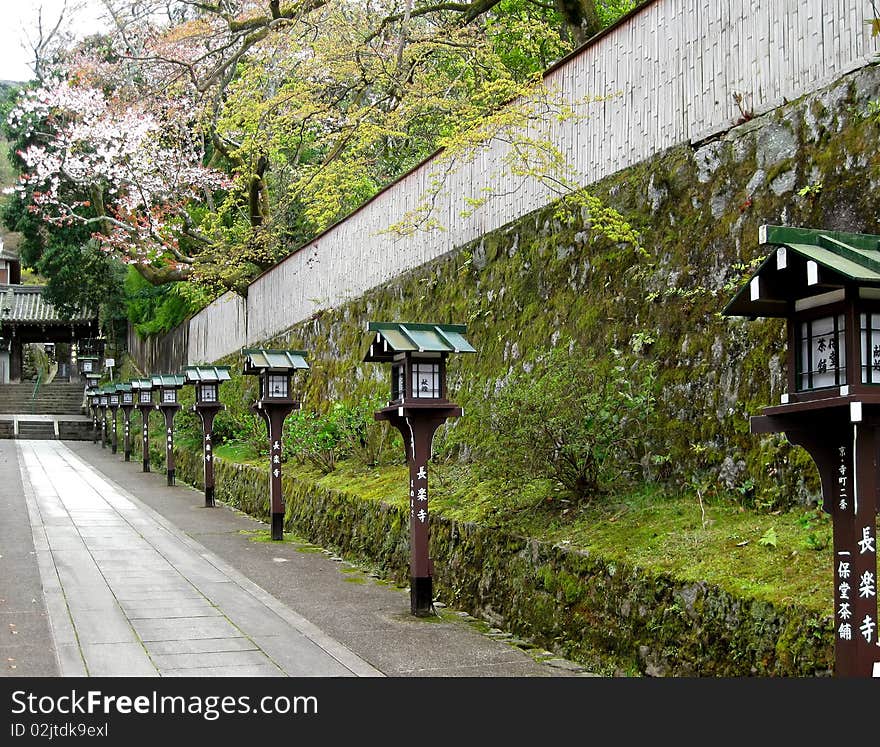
{"x": 417, "y": 353}
{"x": 419, "y": 405}
{"x": 275, "y": 369}
{"x": 826, "y": 284}
{"x": 126, "y": 394}
{"x": 206, "y": 380}
{"x": 143, "y": 392}
{"x": 167, "y": 386}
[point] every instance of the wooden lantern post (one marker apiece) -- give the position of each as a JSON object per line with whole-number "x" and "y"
{"x": 142, "y": 389}
{"x": 113, "y": 404}
{"x": 418, "y": 406}
{"x": 168, "y": 386}
{"x": 103, "y": 404}
{"x": 275, "y": 369}
{"x": 207, "y": 380}
{"x": 826, "y": 285}
{"x": 126, "y": 404}
{"x": 92, "y": 399}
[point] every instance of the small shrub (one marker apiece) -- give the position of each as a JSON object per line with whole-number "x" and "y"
{"x": 574, "y": 418}
{"x": 319, "y": 439}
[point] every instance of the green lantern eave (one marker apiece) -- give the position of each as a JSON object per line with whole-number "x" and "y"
{"x": 167, "y": 381}
{"x": 393, "y": 338}
{"x": 259, "y": 360}
{"x": 807, "y": 263}
{"x": 206, "y": 374}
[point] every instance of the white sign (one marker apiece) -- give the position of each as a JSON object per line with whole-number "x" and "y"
{"x": 109, "y": 363}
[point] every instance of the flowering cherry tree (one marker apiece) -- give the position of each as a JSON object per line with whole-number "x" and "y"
{"x": 130, "y": 169}
{"x": 206, "y": 140}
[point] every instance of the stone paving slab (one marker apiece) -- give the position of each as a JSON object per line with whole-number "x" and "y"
{"x": 124, "y": 659}
{"x": 30, "y": 652}
{"x": 368, "y": 617}
{"x": 202, "y": 645}
{"x": 117, "y": 547}
{"x": 127, "y": 593}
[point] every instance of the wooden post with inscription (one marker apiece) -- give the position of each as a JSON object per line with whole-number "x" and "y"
{"x": 143, "y": 395}
{"x": 103, "y": 403}
{"x": 92, "y": 398}
{"x": 826, "y": 285}
{"x": 168, "y": 385}
{"x": 417, "y": 408}
{"x": 206, "y": 380}
{"x": 275, "y": 402}
{"x": 126, "y": 404}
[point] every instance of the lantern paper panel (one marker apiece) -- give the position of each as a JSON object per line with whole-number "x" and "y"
{"x": 822, "y": 353}
{"x": 426, "y": 380}
{"x": 277, "y": 386}
{"x": 169, "y": 396}
{"x": 869, "y": 336}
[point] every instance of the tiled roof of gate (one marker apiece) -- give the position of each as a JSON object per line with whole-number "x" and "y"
{"x": 24, "y": 304}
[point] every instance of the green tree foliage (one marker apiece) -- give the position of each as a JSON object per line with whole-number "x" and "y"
{"x": 307, "y": 125}
{"x": 156, "y": 309}
{"x": 322, "y": 439}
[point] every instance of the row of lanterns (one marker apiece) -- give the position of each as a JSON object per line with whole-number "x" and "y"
{"x": 825, "y": 284}
{"x": 418, "y": 405}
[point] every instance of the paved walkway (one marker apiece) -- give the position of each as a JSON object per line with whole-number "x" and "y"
{"x": 107, "y": 571}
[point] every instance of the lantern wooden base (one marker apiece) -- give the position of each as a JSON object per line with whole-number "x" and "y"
{"x": 844, "y": 442}
{"x": 421, "y": 596}
{"x": 207, "y": 413}
{"x": 145, "y": 411}
{"x": 114, "y": 442}
{"x": 277, "y": 527}
{"x": 417, "y": 425}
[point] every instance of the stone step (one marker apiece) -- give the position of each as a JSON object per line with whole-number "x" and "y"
{"x": 55, "y": 398}
{"x": 36, "y": 430}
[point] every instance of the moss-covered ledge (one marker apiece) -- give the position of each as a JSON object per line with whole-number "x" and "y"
{"x": 581, "y": 606}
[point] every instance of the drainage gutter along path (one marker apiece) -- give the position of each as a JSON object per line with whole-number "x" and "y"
{"x": 140, "y": 579}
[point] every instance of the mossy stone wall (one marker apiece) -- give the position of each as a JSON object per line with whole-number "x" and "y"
{"x": 572, "y": 273}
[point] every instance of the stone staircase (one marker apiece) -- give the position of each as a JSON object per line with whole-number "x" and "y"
{"x": 56, "y": 412}
{"x": 56, "y": 398}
